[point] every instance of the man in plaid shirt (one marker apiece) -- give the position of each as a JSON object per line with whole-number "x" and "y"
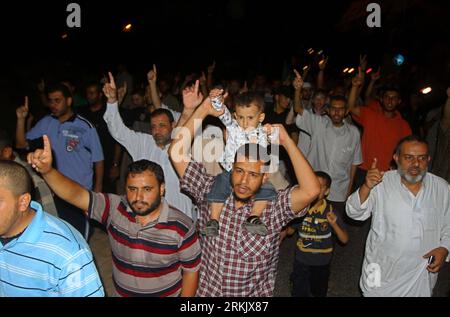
{"x": 236, "y": 262}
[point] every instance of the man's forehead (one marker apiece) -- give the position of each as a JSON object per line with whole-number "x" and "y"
{"x": 413, "y": 147}
{"x": 143, "y": 177}
{"x": 248, "y": 164}
{"x": 160, "y": 118}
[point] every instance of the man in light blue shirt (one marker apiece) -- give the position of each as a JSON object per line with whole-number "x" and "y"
{"x": 40, "y": 255}
{"x": 76, "y": 145}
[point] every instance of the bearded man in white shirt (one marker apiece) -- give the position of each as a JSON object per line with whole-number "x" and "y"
{"x": 409, "y": 239}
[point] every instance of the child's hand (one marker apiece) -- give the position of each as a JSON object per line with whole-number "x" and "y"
{"x": 216, "y": 93}
{"x": 332, "y": 218}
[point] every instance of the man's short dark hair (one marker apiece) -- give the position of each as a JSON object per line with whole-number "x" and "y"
{"x": 249, "y": 98}
{"x": 387, "y": 88}
{"x": 324, "y": 176}
{"x": 138, "y": 91}
{"x": 95, "y": 84}
{"x": 15, "y": 178}
{"x": 161, "y": 111}
{"x": 141, "y": 166}
{"x": 253, "y": 151}
{"x": 320, "y": 92}
{"x": 338, "y": 98}
{"x": 410, "y": 138}
{"x": 285, "y": 90}
{"x": 58, "y": 87}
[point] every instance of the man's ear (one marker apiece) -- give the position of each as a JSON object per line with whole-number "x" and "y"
{"x": 265, "y": 177}
{"x": 395, "y": 157}
{"x": 327, "y": 192}
{"x": 262, "y": 115}
{"x": 162, "y": 189}
{"x": 6, "y": 153}
{"x": 234, "y": 115}
{"x": 24, "y": 202}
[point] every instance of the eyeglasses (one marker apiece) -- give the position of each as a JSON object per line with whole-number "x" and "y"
{"x": 420, "y": 158}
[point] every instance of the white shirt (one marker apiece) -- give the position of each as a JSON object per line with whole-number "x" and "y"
{"x": 333, "y": 150}
{"x": 404, "y": 228}
{"x": 237, "y": 137}
{"x": 142, "y": 146}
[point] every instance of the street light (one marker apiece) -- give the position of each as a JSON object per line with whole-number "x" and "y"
{"x": 127, "y": 27}
{"x": 426, "y": 90}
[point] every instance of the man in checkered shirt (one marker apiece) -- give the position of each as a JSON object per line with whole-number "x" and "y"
{"x": 236, "y": 262}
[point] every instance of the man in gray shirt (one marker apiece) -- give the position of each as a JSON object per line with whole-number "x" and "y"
{"x": 335, "y": 144}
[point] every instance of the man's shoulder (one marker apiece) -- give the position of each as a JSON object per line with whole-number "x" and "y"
{"x": 82, "y": 121}
{"x": 179, "y": 220}
{"x": 438, "y": 181}
{"x": 62, "y": 235}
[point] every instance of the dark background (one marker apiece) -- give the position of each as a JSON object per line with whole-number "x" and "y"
{"x": 243, "y": 36}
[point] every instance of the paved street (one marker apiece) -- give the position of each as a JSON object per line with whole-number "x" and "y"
{"x": 345, "y": 269}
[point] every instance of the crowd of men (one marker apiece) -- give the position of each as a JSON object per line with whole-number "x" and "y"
{"x": 198, "y": 182}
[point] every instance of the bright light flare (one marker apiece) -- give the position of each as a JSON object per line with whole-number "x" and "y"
{"x": 426, "y": 90}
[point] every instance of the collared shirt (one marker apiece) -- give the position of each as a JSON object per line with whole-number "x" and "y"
{"x": 147, "y": 260}
{"x": 49, "y": 259}
{"x": 333, "y": 150}
{"x": 236, "y": 262}
{"x": 142, "y": 146}
{"x": 76, "y": 145}
{"x": 404, "y": 228}
{"x": 237, "y": 137}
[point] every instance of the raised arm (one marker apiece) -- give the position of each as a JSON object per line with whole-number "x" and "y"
{"x": 203, "y": 85}
{"x": 320, "y": 75}
{"x": 152, "y": 77}
{"x": 298, "y": 84}
{"x": 363, "y": 67}
{"x": 354, "y": 94}
{"x": 68, "y": 190}
{"x": 309, "y": 186}
{"x": 209, "y": 78}
{"x": 191, "y": 99}
{"x": 180, "y": 148}
{"x": 369, "y": 91}
{"x": 21, "y": 113}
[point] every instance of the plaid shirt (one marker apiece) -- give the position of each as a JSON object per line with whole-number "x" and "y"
{"x": 237, "y": 263}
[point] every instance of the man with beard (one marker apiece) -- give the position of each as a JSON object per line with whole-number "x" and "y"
{"x": 383, "y": 127}
{"x": 76, "y": 145}
{"x": 335, "y": 144}
{"x": 236, "y": 262}
{"x": 409, "y": 239}
{"x": 154, "y": 246}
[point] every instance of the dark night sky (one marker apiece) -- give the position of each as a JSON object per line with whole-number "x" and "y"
{"x": 239, "y": 34}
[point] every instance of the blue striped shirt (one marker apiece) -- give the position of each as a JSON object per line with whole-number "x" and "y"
{"x": 49, "y": 259}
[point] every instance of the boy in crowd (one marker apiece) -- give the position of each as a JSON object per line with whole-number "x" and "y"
{"x": 315, "y": 244}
